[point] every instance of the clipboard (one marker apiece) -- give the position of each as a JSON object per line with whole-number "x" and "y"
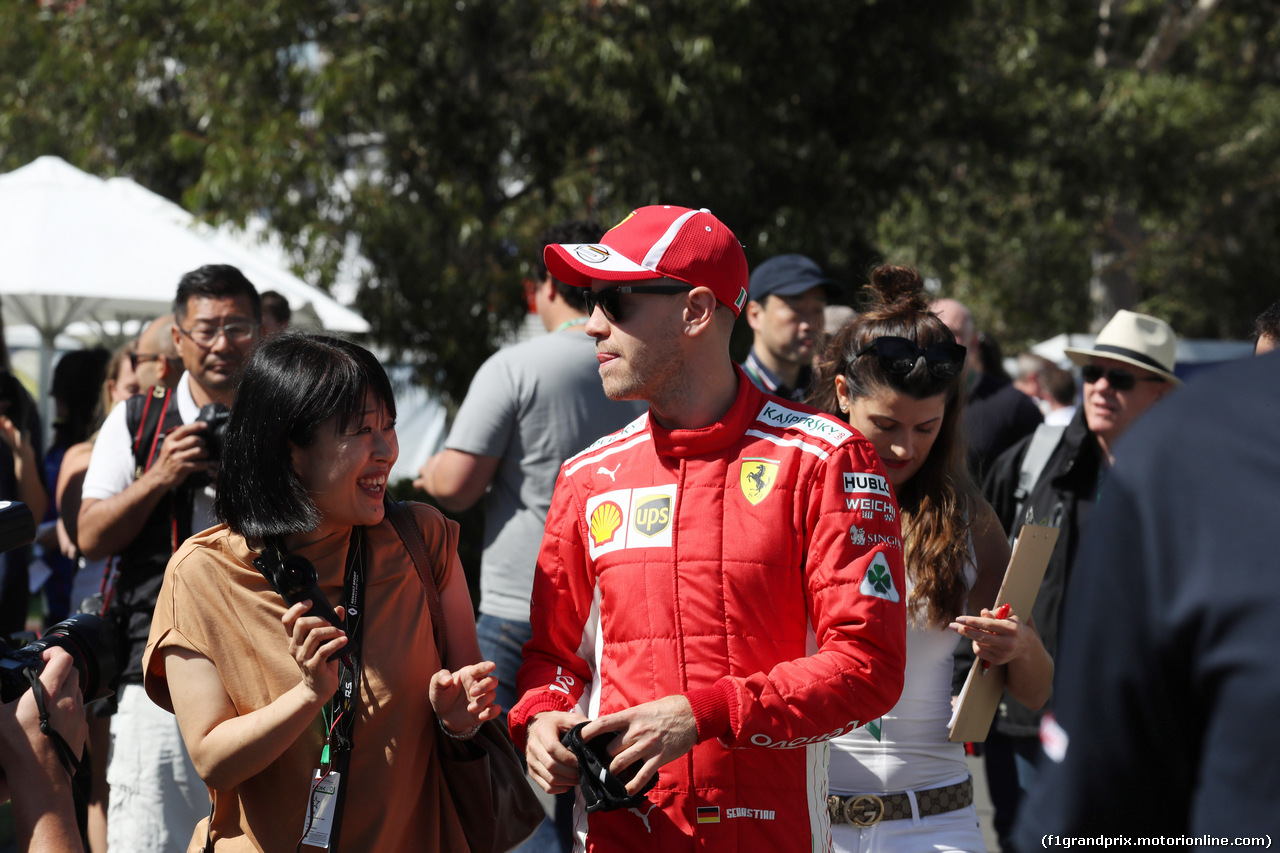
{"x": 976, "y": 706}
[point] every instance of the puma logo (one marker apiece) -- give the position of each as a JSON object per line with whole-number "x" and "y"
{"x": 644, "y": 816}
{"x": 604, "y": 470}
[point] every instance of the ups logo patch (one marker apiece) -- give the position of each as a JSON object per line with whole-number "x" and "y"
{"x": 652, "y": 515}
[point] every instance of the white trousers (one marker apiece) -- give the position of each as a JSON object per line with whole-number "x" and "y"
{"x": 156, "y": 797}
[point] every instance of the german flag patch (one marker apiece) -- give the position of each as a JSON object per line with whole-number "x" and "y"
{"x": 708, "y": 814}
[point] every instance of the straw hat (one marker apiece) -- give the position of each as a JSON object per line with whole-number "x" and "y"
{"x": 1136, "y": 339}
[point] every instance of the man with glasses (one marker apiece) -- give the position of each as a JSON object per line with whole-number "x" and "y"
{"x": 141, "y": 500}
{"x": 1054, "y": 477}
{"x": 720, "y": 587}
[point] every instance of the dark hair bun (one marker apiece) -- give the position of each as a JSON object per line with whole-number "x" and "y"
{"x": 897, "y": 290}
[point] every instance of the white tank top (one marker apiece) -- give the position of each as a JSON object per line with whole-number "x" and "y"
{"x": 912, "y": 752}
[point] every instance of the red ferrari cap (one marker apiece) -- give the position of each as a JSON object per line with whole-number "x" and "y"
{"x": 659, "y": 241}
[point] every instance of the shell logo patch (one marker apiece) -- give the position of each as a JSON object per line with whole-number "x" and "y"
{"x": 590, "y": 253}
{"x": 652, "y": 515}
{"x": 757, "y": 478}
{"x": 604, "y": 523}
{"x": 631, "y": 518}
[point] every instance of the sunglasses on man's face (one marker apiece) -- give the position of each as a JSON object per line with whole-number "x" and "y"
{"x": 898, "y": 356}
{"x": 136, "y": 358}
{"x": 1117, "y": 377}
{"x": 610, "y": 298}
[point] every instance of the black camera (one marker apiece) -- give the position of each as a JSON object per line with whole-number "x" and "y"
{"x": 216, "y": 416}
{"x": 81, "y": 636}
{"x": 295, "y": 579}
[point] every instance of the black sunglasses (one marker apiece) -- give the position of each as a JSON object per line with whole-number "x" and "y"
{"x": 611, "y": 304}
{"x": 136, "y": 358}
{"x": 1117, "y": 377}
{"x": 898, "y": 356}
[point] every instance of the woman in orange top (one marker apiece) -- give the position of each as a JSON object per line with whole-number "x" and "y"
{"x": 256, "y": 683}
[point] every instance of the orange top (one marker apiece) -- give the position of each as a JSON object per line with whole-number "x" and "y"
{"x": 215, "y": 603}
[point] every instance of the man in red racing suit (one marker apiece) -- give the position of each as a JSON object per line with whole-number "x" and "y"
{"x": 728, "y": 595}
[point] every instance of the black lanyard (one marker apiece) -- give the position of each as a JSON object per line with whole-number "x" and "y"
{"x": 345, "y": 700}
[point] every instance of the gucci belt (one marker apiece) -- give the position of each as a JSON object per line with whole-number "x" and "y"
{"x": 870, "y": 809}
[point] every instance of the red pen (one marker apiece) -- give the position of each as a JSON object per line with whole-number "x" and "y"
{"x": 1002, "y": 612}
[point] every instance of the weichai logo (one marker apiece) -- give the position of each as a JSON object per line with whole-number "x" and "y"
{"x": 652, "y": 516}
{"x": 604, "y": 523}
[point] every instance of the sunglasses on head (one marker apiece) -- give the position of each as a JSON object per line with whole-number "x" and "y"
{"x": 1117, "y": 377}
{"x": 610, "y": 302}
{"x": 898, "y": 356}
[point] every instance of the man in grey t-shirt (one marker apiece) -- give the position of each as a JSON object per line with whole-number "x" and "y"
{"x": 529, "y": 407}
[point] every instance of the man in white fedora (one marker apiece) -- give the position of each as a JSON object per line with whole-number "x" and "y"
{"x": 1053, "y": 476}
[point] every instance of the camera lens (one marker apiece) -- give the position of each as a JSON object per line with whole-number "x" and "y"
{"x": 81, "y": 637}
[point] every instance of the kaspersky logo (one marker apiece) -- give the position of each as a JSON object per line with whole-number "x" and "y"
{"x": 604, "y": 523}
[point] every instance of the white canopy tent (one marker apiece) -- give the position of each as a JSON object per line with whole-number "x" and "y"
{"x": 76, "y": 249}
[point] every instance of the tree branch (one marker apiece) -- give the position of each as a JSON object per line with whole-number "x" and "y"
{"x": 1100, "y": 55}
{"x": 1174, "y": 28}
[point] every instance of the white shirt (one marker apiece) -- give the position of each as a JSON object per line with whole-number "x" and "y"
{"x": 1060, "y": 416}
{"x": 111, "y": 465}
{"x": 912, "y": 752}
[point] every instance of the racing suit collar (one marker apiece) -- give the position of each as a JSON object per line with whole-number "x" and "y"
{"x": 716, "y": 436}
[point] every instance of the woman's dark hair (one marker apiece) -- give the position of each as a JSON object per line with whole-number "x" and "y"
{"x": 934, "y": 502}
{"x": 291, "y": 385}
{"x": 76, "y": 382}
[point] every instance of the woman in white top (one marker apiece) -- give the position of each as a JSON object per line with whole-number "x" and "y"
{"x": 895, "y": 373}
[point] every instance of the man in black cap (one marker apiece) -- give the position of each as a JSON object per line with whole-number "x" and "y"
{"x": 787, "y": 295}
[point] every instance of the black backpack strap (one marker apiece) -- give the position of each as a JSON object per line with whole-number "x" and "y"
{"x": 149, "y": 416}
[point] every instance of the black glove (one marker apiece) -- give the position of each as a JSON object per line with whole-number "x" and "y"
{"x": 601, "y": 790}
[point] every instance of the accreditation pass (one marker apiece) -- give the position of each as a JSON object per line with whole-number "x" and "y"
{"x": 324, "y": 794}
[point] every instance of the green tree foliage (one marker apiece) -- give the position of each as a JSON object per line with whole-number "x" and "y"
{"x": 1015, "y": 151}
{"x": 1128, "y": 144}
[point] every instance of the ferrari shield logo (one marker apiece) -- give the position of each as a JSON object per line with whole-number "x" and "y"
{"x": 757, "y": 478}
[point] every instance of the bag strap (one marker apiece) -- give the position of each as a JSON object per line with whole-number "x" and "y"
{"x": 401, "y": 518}
{"x": 1043, "y": 442}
